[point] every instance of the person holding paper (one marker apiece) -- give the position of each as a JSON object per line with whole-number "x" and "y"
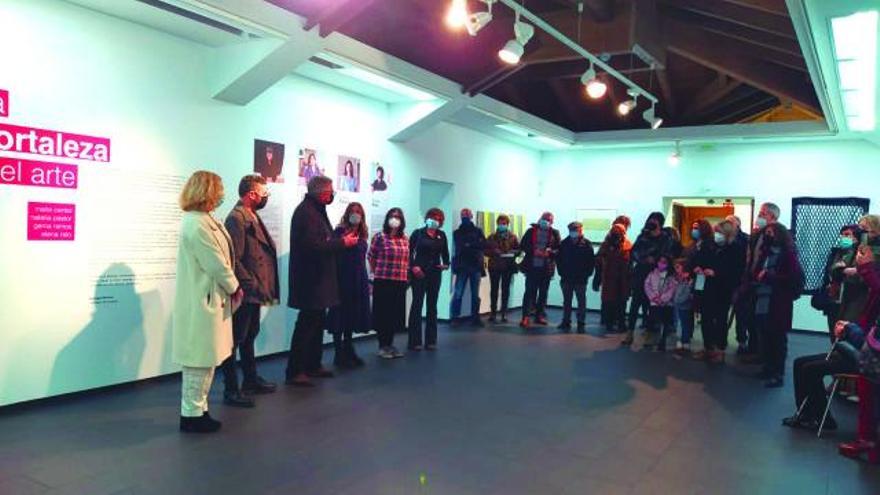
{"x": 703, "y": 262}
{"x": 256, "y": 266}
{"x": 207, "y": 291}
{"x": 502, "y": 247}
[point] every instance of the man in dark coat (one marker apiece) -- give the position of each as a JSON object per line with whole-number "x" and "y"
{"x": 750, "y": 351}
{"x": 313, "y": 283}
{"x": 575, "y": 264}
{"x": 652, "y": 242}
{"x": 540, "y": 244}
{"x": 467, "y": 265}
{"x": 256, "y": 268}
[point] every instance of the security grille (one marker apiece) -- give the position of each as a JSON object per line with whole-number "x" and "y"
{"x": 815, "y": 225}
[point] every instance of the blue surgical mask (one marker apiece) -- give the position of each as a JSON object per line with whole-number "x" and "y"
{"x": 354, "y": 219}
{"x": 845, "y": 242}
{"x": 432, "y": 224}
{"x": 574, "y": 234}
{"x": 544, "y": 224}
{"x": 719, "y": 238}
{"x": 503, "y": 228}
{"x": 695, "y": 234}
{"x": 761, "y": 222}
{"x": 466, "y": 220}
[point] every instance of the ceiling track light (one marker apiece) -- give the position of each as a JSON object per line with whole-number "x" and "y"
{"x": 675, "y": 158}
{"x": 625, "y": 107}
{"x": 514, "y": 49}
{"x": 652, "y": 120}
{"x": 594, "y": 86}
{"x": 457, "y": 15}
{"x": 477, "y": 21}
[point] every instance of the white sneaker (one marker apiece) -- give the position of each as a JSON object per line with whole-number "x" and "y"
{"x": 395, "y": 353}
{"x": 385, "y": 353}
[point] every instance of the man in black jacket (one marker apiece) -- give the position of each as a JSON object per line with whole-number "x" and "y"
{"x": 256, "y": 268}
{"x": 312, "y": 277}
{"x": 575, "y": 264}
{"x": 467, "y": 265}
{"x": 540, "y": 244}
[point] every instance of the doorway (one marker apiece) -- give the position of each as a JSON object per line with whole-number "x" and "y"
{"x": 682, "y": 212}
{"x": 438, "y": 194}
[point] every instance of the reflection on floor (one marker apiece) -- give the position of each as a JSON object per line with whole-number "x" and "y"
{"x": 493, "y": 411}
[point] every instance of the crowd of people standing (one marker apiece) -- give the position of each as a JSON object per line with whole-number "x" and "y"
{"x": 343, "y": 281}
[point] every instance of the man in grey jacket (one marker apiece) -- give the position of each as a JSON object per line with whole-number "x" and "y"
{"x": 256, "y": 267}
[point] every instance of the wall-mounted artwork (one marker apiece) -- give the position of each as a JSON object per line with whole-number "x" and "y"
{"x": 381, "y": 180}
{"x": 349, "y": 174}
{"x": 485, "y": 220}
{"x": 309, "y": 166}
{"x": 597, "y": 222}
{"x": 269, "y": 160}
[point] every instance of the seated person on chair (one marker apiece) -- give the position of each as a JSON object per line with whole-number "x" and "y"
{"x": 810, "y": 371}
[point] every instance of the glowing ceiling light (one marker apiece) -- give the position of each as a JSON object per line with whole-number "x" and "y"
{"x": 675, "y": 158}
{"x": 595, "y": 88}
{"x": 625, "y": 107}
{"x": 513, "y": 50}
{"x": 457, "y": 15}
{"x": 652, "y": 120}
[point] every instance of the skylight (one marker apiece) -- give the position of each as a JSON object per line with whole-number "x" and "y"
{"x": 855, "y": 52}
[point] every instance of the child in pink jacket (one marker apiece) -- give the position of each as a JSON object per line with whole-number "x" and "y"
{"x": 660, "y": 290}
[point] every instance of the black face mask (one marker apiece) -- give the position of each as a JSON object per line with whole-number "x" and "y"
{"x": 262, "y": 203}
{"x": 651, "y": 226}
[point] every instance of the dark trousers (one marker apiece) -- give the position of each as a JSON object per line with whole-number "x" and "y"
{"x": 660, "y": 319}
{"x": 245, "y": 328}
{"x": 502, "y": 281}
{"x": 614, "y": 315}
{"x": 809, "y": 372}
{"x": 535, "y": 297}
{"x": 774, "y": 347}
{"x": 463, "y": 280}
{"x": 714, "y": 311}
{"x": 638, "y": 303}
{"x": 569, "y": 291}
{"x": 306, "y": 345}
{"x": 428, "y": 287}
{"x": 389, "y": 309}
{"x": 746, "y": 323}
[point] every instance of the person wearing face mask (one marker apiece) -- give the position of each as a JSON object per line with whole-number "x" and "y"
{"x": 468, "y": 266}
{"x": 660, "y": 287}
{"x": 778, "y": 278}
{"x": 352, "y": 314}
{"x": 256, "y": 267}
{"x": 389, "y": 257}
{"x": 428, "y": 258}
{"x": 612, "y": 262}
{"x": 575, "y": 263}
{"x": 314, "y": 286}
{"x": 768, "y": 214}
{"x": 702, "y": 258}
{"x": 651, "y": 243}
{"x": 540, "y": 243}
{"x": 841, "y": 256}
{"x": 501, "y": 249}
{"x": 729, "y": 267}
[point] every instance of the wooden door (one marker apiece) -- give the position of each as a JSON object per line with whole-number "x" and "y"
{"x": 691, "y": 214}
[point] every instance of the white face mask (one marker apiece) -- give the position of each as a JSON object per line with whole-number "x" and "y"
{"x": 354, "y": 219}
{"x": 394, "y": 223}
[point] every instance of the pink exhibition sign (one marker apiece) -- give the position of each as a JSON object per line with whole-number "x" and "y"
{"x": 51, "y": 222}
{"x": 41, "y": 174}
{"x": 4, "y": 103}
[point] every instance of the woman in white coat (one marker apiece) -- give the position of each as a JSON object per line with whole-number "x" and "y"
{"x": 207, "y": 294}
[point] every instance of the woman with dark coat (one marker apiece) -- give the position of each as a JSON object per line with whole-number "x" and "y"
{"x": 613, "y": 261}
{"x": 352, "y": 315}
{"x": 702, "y": 258}
{"x": 428, "y": 258}
{"x": 778, "y": 276}
{"x": 731, "y": 263}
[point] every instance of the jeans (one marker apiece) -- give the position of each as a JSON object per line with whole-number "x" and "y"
{"x": 389, "y": 309}
{"x": 809, "y": 372}
{"x": 535, "y": 297}
{"x": 569, "y": 291}
{"x": 245, "y": 328}
{"x": 461, "y": 281}
{"x": 306, "y": 344}
{"x": 429, "y": 287}
{"x": 660, "y": 318}
{"x": 502, "y": 281}
{"x": 685, "y": 317}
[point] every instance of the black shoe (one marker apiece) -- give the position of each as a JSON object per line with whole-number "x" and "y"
{"x": 582, "y": 328}
{"x": 300, "y": 381}
{"x": 477, "y": 322}
{"x": 258, "y": 387}
{"x": 236, "y": 399}
{"x": 343, "y": 362}
{"x": 503, "y": 318}
{"x": 763, "y": 375}
{"x": 492, "y": 318}
{"x": 202, "y": 424}
{"x": 320, "y": 373}
{"x": 358, "y": 362}
{"x": 564, "y": 326}
{"x": 774, "y": 382}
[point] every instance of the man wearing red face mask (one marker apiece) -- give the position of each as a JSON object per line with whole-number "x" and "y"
{"x": 312, "y": 278}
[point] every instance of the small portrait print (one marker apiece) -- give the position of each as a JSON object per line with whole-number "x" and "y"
{"x": 380, "y": 182}
{"x": 308, "y": 165}
{"x": 349, "y": 174}
{"x": 269, "y": 160}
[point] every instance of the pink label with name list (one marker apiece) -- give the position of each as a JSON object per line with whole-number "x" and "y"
{"x": 51, "y": 222}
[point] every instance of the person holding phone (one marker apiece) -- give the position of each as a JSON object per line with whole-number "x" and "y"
{"x": 428, "y": 259}
{"x": 502, "y": 247}
{"x": 541, "y": 245}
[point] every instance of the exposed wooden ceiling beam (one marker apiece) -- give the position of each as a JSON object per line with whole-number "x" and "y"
{"x": 741, "y": 112}
{"x": 599, "y": 10}
{"x": 336, "y": 15}
{"x": 668, "y": 100}
{"x": 739, "y": 14}
{"x": 771, "y": 6}
{"x": 721, "y": 55}
{"x": 572, "y": 67}
{"x": 564, "y": 101}
{"x": 739, "y": 32}
{"x": 709, "y": 95}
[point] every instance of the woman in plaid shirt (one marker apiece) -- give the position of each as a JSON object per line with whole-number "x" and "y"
{"x": 389, "y": 263}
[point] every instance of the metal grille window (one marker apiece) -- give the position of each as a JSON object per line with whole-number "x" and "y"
{"x": 815, "y": 225}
